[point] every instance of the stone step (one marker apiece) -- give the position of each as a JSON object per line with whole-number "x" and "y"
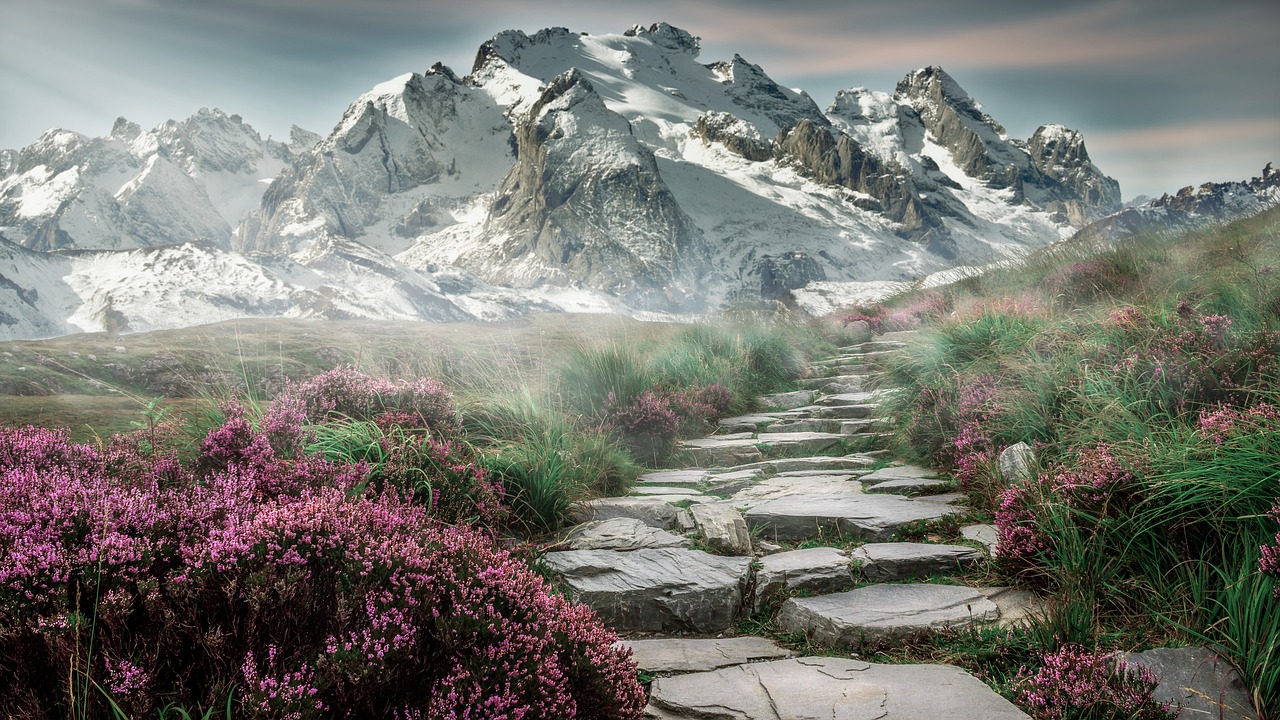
{"x": 686, "y": 655}
{"x": 845, "y": 412}
{"x": 906, "y": 486}
{"x": 747, "y": 423}
{"x": 644, "y": 490}
{"x": 827, "y": 687}
{"x": 885, "y": 611}
{"x": 866, "y": 517}
{"x": 899, "y": 472}
{"x": 655, "y": 589}
{"x": 900, "y": 336}
{"x": 846, "y": 359}
{"x": 860, "y": 427}
{"x": 813, "y": 442}
{"x": 841, "y": 399}
{"x": 785, "y": 465}
{"x": 655, "y": 512}
{"x": 620, "y": 534}
{"x": 675, "y": 477}
{"x": 778, "y": 487}
{"x": 809, "y": 425}
{"x": 789, "y": 400}
{"x": 882, "y": 562}
{"x": 816, "y": 570}
{"x": 854, "y": 382}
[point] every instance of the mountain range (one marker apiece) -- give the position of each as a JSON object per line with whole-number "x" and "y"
{"x": 565, "y": 171}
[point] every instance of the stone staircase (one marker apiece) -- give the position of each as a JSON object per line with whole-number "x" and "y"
{"x": 761, "y": 484}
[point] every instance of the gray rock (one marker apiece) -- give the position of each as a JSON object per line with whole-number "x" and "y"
{"x": 736, "y": 475}
{"x": 844, "y": 383}
{"x": 985, "y": 534}
{"x": 655, "y": 589}
{"x": 749, "y": 420}
{"x": 780, "y": 465}
{"x": 663, "y": 490}
{"x": 898, "y": 472}
{"x": 857, "y": 331}
{"x": 812, "y": 425}
{"x": 686, "y": 655}
{"x": 845, "y": 412}
{"x": 816, "y": 570}
{"x": 782, "y": 486}
{"x": 859, "y": 427}
{"x": 722, "y": 528}
{"x": 788, "y": 401}
{"x": 884, "y": 611}
{"x": 728, "y": 454}
{"x": 878, "y": 345}
{"x": 900, "y": 561}
{"x": 1017, "y": 606}
{"x": 853, "y": 398}
{"x": 827, "y": 689}
{"x": 656, "y": 512}
{"x": 621, "y": 534}
{"x": 1017, "y": 464}
{"x": 812, "y": 442}
{"x": 1203, "y": 683}
{"x": 674, "y": 477}
{"x": 906, "y": 486}
{"x": 867, "y": 517}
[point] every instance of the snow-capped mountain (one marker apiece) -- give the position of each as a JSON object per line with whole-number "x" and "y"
{"x": 565, "y": 171}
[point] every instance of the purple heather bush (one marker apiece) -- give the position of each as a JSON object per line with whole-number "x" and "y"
{"x": 647, "y": 425}
{"x": 1078, "y": 684}
{"x": 345, "y": 392}
{"x": 286, "y": 580}
{"x": 1269, "y": 563}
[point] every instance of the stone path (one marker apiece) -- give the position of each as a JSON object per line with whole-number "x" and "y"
{"x": 806, "y": 471}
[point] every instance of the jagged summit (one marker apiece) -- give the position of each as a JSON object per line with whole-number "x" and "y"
{"x": 616, "y": 172}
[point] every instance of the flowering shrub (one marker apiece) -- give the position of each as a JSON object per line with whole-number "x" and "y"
{"x": 1096, "y": 480}
{"x": 647, "y": 425}
{"x": 1079, "y": 684}
{"x": 1269, "y": 563}
{"x": 345, "y": 392}
{"x": 278, "y": 577}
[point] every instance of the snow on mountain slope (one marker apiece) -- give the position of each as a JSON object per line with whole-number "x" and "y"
{"x": 615, "y": 172}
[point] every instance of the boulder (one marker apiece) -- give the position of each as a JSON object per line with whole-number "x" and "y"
{"x": 1202, "y": 682}
{"x": 656, "y": 512}
{"x": 867, "y": 517}
{"x": 816, "y": 570}
{"x": 788, "y": 400}
{"x": 722, "y": 528}
{"x": 1017, "y": 464}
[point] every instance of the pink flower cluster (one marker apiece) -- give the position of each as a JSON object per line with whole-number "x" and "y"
{"x": 1269, "y": 563}
{"x": 650, "y": 423}
{"x": 1224, "y": 422}
{"x": 282, "y": 575}
{"x": 345, "y": 392}
{"x": 1078, "y": 684}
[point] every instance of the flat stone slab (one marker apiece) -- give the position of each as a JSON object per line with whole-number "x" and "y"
{"x": 655, "y": 589}
{"x": 800, "y": 441}
{"x": 847, "y": 383}
{"x": 1017, "y": 606}
{"x": 1204, "y": 684}
{"x": 867, "y": 517}
{"x": 885, "y": 611}
{"x": 906, "y": 486}
{"x": 844, "y": 412}
{"x": 899, "y": 472}
{"x": 985, "y": 534}
{"x": 854, "y": 398}
{"x": 826, "y": 688}
{"x": 686, "y": 655}
{"x": 789, "y": 400}
{"x": 621, "y": 534}
{"x": 663, "y": 490}
{"x": 675, "y": 477}
{"x": 780, "y": 465}
{"x": 654, "y": 511}
{"x": 711, "y": 452}
{"x": 779, "y": 487}
{"x": 903, "y": 560}
{"x": 816, "y": 570}
{"x": 810, "y": 425}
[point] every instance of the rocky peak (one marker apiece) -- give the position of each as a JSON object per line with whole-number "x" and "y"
{"x": 667, "y": 36}
{"x": 506, "y": 46}
{"x": 736, "y": 135}
{"x": 125, "y": 130}
{"x": 929, "y": 89}
{"x": 750, "y": 88}
{"x": 1053, "y": 145}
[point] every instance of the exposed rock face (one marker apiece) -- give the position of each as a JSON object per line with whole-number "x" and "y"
{"x": 736, "y": 135}
{"x": 841, "y": 161}
{"x": 1059, "y": 153}
{"x": 1052, "y": 171}
{"x": 789, "y": 271}
{"x": 585, "y": 204}
{"x": 1222, "y": 199}
{"x": 751, "y": 89}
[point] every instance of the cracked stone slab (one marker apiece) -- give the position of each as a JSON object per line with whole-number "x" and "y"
{"x": 814, "y": 688}
{"x": 816, "y": 570}
{"x": 854, "y": 398}
{"x": 1017, "y": 606}
{"x": 780, "y": 486}
{"x": 885, "y": 611}
{"x": 664, "y": 490}
{"x": 867, "y": 517}
{"x": 811, "y": 425}
{"x": 686, "y": 655}
{"x": 621, "y": 534}
{"x": 845, "y": 412}
{"x": 655, "y": 589}
{"x": 903, "y": 560}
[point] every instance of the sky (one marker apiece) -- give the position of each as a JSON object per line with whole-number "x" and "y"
{"x": 1167, "y": 92}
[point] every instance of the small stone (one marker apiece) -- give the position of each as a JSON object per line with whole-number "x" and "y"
{"x": 119, "y": 349}
{"x": 1017, "y": 464}
{"x": 722, "y": 527}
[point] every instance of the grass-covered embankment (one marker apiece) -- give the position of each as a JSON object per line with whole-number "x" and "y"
{"x": 1147, "y": 378}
